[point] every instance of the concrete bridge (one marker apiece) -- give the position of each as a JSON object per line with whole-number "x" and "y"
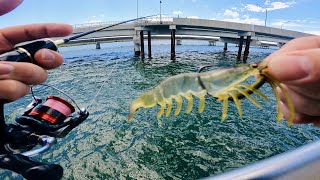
{"x": 178, "y": 29}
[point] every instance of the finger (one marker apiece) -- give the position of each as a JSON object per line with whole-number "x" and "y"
{"x": 302, "y": 103}
{"x": 48, "y": 59}
{"x": 300, "y": 118}
{"x": 11, "y": 90}
{"x": 8, "y": 5}
{"x": 6, "y": 69}
{"x": 25, "y": 72}
{"x": 11, "y": 36}
{"x": 311, "y": 92}
{"x": 296, "y": 67}
{"x": 309, "y": 42}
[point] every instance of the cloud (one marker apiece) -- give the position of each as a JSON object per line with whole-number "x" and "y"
{"x": 254, "y": 8}
{"x": 296, "y": 24}
{"x": 280, "y": 5}
{"x": 270, "y": 6}
{"x": 244, "y": 14}
{"x": 286, "y": 24}
{"x": 245, "y": 19}
{"x": 312, "y": 32}
{"x": 267, "y": 2}
{"x": 94, "y": 20}
{"x": 177, "y": 12}
{"x": 193, "y": 17}
{"x": 233, "y": 15}
{"x": 230, "y": 13}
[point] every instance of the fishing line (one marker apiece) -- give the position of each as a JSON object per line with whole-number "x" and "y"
{"x": 103, "y": 83}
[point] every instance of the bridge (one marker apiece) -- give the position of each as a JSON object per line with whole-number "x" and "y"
{"x": 178, "y": 29}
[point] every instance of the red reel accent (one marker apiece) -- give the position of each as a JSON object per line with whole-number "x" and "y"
{"x": 53, "y": 110}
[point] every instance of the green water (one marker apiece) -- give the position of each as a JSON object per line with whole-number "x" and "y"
{"x": 190, "y": 146}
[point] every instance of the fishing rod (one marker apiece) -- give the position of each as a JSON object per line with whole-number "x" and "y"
{"x": 25, "y": 52}
{"x": 42, "y": 121}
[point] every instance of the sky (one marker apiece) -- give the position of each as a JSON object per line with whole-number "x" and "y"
{"x": 297, "y": 15}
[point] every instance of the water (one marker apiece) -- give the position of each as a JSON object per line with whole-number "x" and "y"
{"x": 193, "y": 146}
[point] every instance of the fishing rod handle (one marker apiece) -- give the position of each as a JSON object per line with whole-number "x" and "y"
{"x": 24, "y": 52}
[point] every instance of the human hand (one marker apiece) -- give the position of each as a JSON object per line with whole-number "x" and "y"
{"x": 16, "y": 77}
{"x": 297, "y": 66}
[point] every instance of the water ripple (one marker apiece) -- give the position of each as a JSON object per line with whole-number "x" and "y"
{"x": 190, "y": 146}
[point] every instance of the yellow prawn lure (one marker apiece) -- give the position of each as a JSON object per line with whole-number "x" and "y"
{"x": 223, "y": 84}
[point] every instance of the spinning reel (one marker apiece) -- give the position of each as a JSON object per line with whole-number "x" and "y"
{"x": 33, "y": 133}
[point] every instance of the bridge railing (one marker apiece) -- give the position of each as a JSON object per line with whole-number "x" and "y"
{"x": 146, "y": 21}
{"x": 155, "y": 20}
{"x": 94, "y": 24}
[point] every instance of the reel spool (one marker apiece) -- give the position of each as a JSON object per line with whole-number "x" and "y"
{"x": 54, "y": 110}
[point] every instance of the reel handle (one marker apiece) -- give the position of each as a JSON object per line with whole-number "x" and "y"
{"x": 30, "y": 169}
{"x": 25, "y": 52}
{"x": 46, "y": 142}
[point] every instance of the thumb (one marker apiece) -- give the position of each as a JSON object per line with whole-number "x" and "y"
{"x": 296, "y": 68}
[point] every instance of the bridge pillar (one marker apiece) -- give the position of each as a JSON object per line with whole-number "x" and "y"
{"x": 149, "y": 44}
{"x": 98, "y": 45}
{"x": 240, "y": 48}
{"x": 225, "y": 48}
{"x": 173, "y": 41}
{"x": 142, "y": 45}
{"x": 136, "y": 43}
{"x": 173, "y": 44}
{"x": 246, "y": 50}
{"x": 179, "y": 42}
{"x": 248, "y": 40}
{"x": 280, "y": 44}
{"x": 212, "y": 43}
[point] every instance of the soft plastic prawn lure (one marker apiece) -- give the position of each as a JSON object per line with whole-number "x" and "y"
{"x": 223, "y": 84}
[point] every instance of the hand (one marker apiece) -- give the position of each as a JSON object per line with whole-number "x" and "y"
{"x": 15, "y": 77}
{"x": 297, "y": 66}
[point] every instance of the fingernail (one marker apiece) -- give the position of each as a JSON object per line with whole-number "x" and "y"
{"x": 47, "y": 55}
{"x": 6, "y": 69}
{"x": 290, "y": 67}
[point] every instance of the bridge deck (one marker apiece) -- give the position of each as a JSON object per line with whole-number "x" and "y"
{"x": 227, "y": 31}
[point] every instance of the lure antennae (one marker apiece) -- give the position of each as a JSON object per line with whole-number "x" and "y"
{"x": 204, "y": 67}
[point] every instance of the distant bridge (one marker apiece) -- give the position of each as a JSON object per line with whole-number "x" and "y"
{"x": 178, "y": 29}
